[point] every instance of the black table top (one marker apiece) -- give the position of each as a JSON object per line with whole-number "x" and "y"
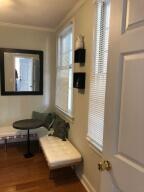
{"x": 28, "y": 124}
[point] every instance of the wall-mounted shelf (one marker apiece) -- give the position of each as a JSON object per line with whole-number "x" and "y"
{"x": 79, "y": 80}
{"x": 79, "y": 56}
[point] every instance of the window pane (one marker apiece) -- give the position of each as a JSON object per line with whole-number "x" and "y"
{"x": 67, "y": 43}
{"x": 70, "y": 91}
{"x": 64, "y": 89}
{"x": 66, "y": 59}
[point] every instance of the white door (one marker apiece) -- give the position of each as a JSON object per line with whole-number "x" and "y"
{"x": 26, "y": 65}
{"x": 124, "y": 114}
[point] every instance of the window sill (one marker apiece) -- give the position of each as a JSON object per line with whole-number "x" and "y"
{"x": 65, "y": 115}
{"x": 94, "y": 147}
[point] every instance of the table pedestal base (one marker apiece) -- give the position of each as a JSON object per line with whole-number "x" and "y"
{"x": 28, "y": 124}
{"x": 28, "y": 155}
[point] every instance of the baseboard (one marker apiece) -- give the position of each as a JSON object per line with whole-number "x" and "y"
{"x": 83, "y": 179}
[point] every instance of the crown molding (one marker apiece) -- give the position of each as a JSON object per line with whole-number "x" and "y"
{"x": 27, "y": 27}
{"x": 77, "y": 6}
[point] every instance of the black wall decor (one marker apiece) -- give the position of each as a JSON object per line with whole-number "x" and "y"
{"x": 79, "y": 56}
{"x": 79, "y": 80}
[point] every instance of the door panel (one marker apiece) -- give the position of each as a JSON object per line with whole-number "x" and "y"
{"x": 124, "y": 108}
{"x": 127, "y": 175}
{"x": 135, "y": 13}
{"x": 131, "y": 130}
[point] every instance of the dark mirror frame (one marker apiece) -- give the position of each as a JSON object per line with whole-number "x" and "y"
{"x": 2, "y": 72}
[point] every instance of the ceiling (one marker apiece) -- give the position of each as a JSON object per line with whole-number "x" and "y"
{"x": 37, "y": 13}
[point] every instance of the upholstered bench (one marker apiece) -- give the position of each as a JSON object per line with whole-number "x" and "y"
{"x": 59, "y": 153}
{"x": 9, "y": 133}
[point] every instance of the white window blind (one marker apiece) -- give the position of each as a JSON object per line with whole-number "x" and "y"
{"x": 64, "y": 71}
{"x": 98, "y": 75}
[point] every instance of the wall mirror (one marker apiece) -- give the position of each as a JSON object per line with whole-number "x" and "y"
{"x": 21, "y": 72}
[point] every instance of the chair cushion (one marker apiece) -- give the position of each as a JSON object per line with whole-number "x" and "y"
{"x": 48, "y": 118}
{"x": 39, "y": 116}
{"x": 60, "y": 128}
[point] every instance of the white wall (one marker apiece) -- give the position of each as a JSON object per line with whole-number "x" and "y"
{"x": 83, "y": 24}
{"x": 18, "y": 107}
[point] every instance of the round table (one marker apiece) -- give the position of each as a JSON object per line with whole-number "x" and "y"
{"x": 28, "y": 124}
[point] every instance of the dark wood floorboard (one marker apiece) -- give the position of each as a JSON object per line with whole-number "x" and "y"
{"x": 18, "y": 174}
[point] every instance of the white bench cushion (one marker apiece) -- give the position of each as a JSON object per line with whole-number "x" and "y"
{"x": 59, "y": 153}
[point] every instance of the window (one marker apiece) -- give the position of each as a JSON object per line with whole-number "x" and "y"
{"x": 98, "y": 76}
{"x": 64, "y": 88}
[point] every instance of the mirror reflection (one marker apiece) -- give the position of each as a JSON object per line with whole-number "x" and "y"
{"x": 21, "y": 72}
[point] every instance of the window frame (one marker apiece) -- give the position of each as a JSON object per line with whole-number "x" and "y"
{"x": 92, "y": 143}
{"x": 70, "y": 26}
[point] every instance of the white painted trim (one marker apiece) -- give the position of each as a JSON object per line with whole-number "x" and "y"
{"x": 27, "y": 27}
{"x": 85, "y": 182}
{"x": 66, "y": 29}
{"x": 94, "y": 148}
{"x": 65, "y": 115}
{"x": 78, "y": 5}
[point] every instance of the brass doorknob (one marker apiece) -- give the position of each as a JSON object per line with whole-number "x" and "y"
{"x": 104, "y": 165}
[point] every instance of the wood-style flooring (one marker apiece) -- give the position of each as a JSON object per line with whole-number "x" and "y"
{"x": 18, "y": 174}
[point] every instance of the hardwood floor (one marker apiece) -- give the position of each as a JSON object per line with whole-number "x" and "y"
{"x": 18, "y": 174}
